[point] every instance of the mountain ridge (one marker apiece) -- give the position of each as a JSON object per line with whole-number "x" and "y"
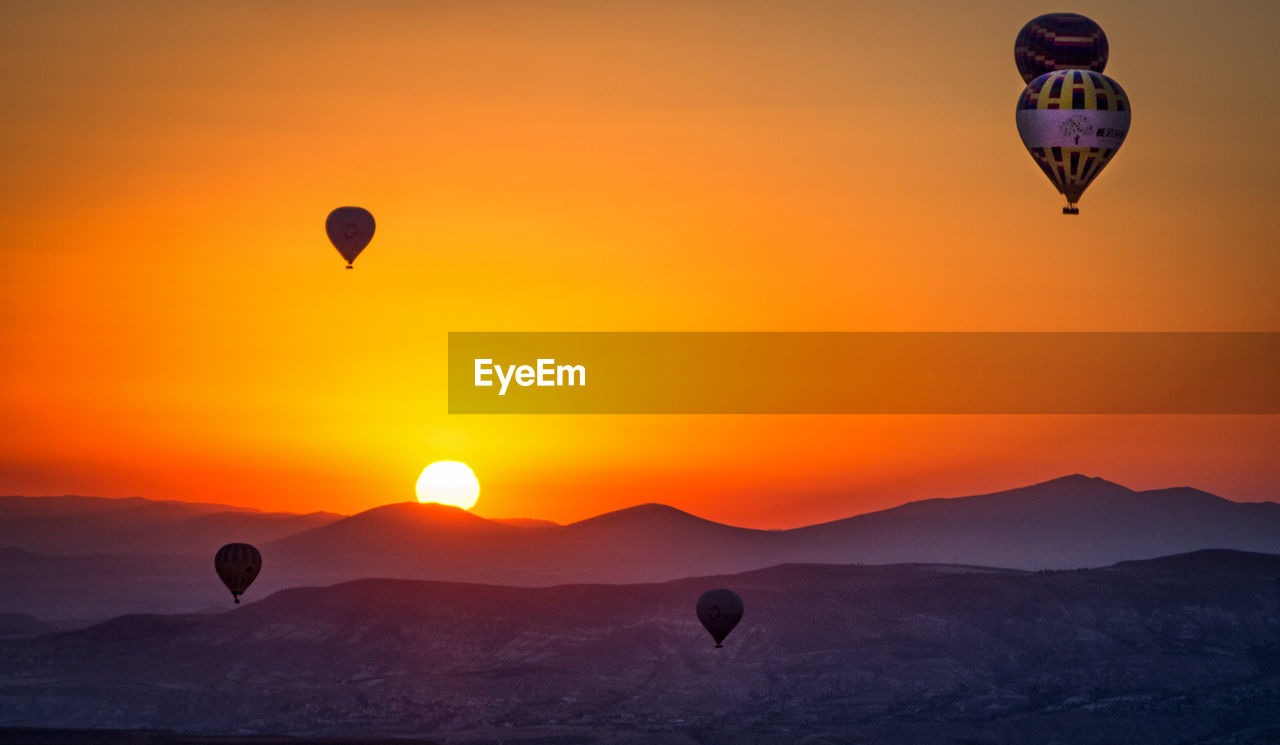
{"x": 1069, "y": 485}
{"x": 1065, "y": 523}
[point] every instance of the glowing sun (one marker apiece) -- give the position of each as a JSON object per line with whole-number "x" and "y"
{"x": 449, "y": 482}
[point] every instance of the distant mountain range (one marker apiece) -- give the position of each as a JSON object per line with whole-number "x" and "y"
{"x": 1182, "y": 649}
{"x": 156, "y": 556}
{"x": 95, "y": 525}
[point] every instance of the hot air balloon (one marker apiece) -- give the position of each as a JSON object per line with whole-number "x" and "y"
{"x": 237, "y": 564}
{"x": 350, "y": 229}
{"x": 719, "y": 611}
{"x": 1073, "y": 122}
{"x": 1059, "y": 41}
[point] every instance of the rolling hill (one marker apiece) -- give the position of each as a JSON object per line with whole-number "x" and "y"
{"x": 1179, "y": 649}
{"x": 1074, "y": 521}
{"x": 1070, "y": 522}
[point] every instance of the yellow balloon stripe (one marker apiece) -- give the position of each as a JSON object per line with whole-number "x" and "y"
{"x": 1059, "y": 89}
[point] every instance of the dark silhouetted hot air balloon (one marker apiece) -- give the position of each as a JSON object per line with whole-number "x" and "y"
{"x": 350, "y": 229}
{"x": 238, "y": 565}
{"x": 1059, "y": 41}
{"x": 1073, "y": 122}
{"x": 719, "y": 611}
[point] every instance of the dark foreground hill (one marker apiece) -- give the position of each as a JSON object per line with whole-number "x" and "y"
{"x": 1179, "y": 650}
{"x": 47, "y": 736}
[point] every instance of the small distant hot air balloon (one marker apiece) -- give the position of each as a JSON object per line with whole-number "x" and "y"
{"x": 350, "y": 229}
{"x": 1073, "y": 122}
{"x": 1059, "y": 41}
{"x": 238, "y": 565}
{"x": 719, "y": 611}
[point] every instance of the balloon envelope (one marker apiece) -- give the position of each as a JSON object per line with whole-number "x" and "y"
{"x": 1059, "y": 41}
{"x": 1073, "y": 122}
{"x": 238, "y": 565}
{"x": 719, "y": 611}
{"x": 350, "y": 229}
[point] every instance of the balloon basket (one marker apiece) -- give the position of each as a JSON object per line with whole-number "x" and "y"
{"x": 350, "y": 267}
{"x": 719, "y": 646}
{"x": 1065, "y": 211}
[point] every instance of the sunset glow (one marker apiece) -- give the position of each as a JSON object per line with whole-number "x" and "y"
{"x": 837, "y": 371}
{"x": 178, "y": 325}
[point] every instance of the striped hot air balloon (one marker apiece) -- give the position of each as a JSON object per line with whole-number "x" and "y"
{"x": 238, "y": 565}
{"x": 1073, "y": 122}
{"x": 1059, "y": 41}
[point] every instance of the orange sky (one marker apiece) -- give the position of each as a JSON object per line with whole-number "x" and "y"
{"x": 177, "y": 326}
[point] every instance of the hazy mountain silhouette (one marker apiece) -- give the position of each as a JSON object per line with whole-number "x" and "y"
{"x": 431, "y": 541}
{"x": 1176, "y": 650}
{"x": 71, "y": 504}
{"x": 47, "y": 736}
{"x": 94, "y": 586}
{"x": 526, "y": 522}
{"x": 1070, "y": 522}
{"x": 1073, "y": 521}
{"x": 22, "y": 626}
{"x": 91, "y": 525}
